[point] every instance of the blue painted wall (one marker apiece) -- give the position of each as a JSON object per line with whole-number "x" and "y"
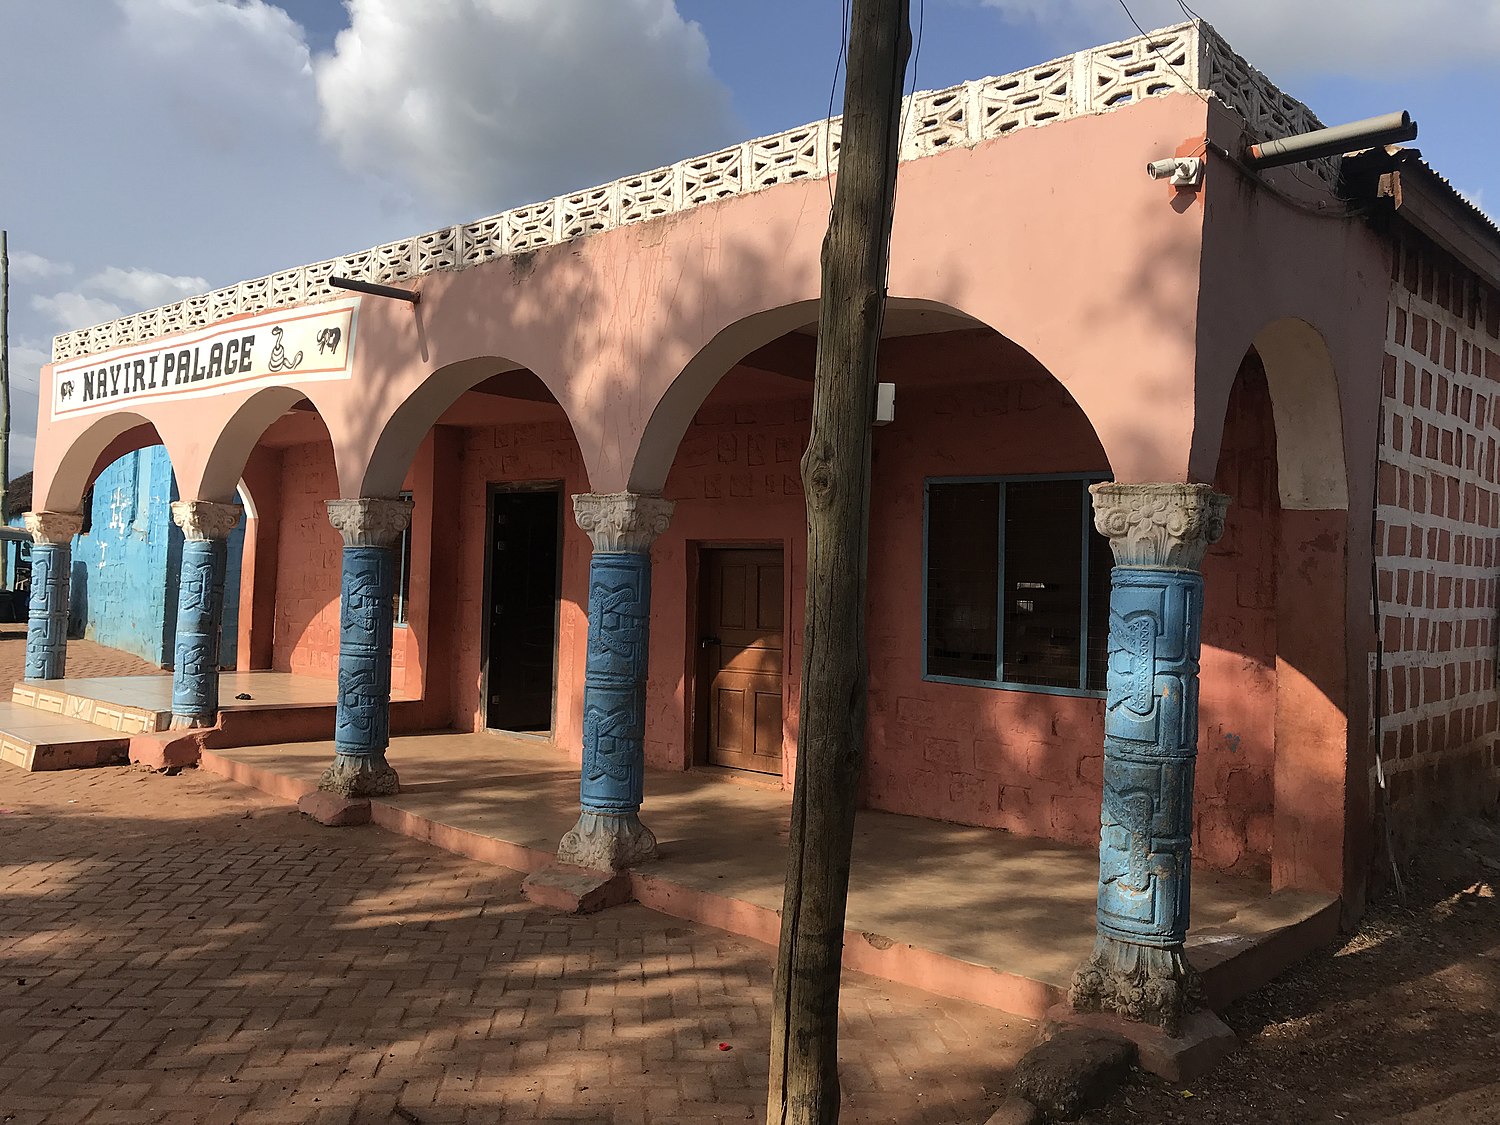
{"x": 127, "y": 562}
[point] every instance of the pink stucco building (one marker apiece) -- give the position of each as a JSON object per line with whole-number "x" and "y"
{"x": 1320, "y": 342}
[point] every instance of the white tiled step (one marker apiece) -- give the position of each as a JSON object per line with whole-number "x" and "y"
{"x": 36, "y": 740}
{"x": 124, "y": 704}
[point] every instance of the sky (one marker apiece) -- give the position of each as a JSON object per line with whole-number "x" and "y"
{"x": 155, "y": 149}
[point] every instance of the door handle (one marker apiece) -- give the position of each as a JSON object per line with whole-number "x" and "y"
{"x": 709, "y": 641}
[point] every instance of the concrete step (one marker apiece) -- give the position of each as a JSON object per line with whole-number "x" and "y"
{"x": 135, "y": 713}
{"x": 37, "y": 740}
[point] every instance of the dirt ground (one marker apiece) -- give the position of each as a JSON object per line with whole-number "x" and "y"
{"x": 1398, "y": 1025}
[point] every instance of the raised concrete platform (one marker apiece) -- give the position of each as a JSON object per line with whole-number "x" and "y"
{"x": 973, "y": 913}
{"x": 123, "y": 704}
{"x": 280, "y": 706}
{"x": 39, "y": 740}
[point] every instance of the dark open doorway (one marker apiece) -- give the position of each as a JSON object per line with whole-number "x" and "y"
{"x": 522, "y": 583}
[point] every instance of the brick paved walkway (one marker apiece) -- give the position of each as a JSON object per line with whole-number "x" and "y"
{"x": 186, "y": 950}
{"x": 85, "y": 658}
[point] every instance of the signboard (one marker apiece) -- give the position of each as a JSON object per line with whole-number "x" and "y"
{"x": 287, "y": 346}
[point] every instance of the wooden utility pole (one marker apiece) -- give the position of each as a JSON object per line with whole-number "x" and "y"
{"x": 4, "y": 399}
{"x": 804, "y": 1081}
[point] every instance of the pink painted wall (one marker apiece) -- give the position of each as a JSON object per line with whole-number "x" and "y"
{"x": 309, "y": 571}
{"x": 674, "y": 302}
{"x": 1023, "y": 761}
{"x": 736, "y": 482}
{"x": 1232, "y": 800}
{"x": 517, "y": 453}
{"x": 308, "y": 566}
{"x": 968, "y": 404}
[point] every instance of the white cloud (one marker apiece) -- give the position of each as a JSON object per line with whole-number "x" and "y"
{"x": 113, "y": 292}
{"x": 481, "y": 104}
{"x": 27, "y": 358}
{"x": 241, "y": 60}
{"x": 1369, "y": 38}
{"x": 70, "y": 310}
{"x": 144, "y": 289}
{"x": 26, "y": 266}
{"x": 169, "y": 146}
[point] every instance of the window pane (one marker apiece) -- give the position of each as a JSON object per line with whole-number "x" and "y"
{"x": 1101, "y": 559}
{"x": 963, "y": 558}
{"x": 1043, "y": 582}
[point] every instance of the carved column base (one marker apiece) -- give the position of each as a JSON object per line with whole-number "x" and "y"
{"x": 1145, "y": 983}
{"x": 607, "y": 842}
{"x": 191, "y": 722}
{"x": 364, "y": 775}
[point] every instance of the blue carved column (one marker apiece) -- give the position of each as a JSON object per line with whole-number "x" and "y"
{"x": 51, "y": 572}
{"x": 200, "y": 610}
{"x": 609, "y": 835}
{"x": 362, "y": 720}
{"x": 1159, "y": 533}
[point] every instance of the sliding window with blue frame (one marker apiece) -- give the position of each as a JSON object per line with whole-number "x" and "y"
{"x": 1015, "y": 584}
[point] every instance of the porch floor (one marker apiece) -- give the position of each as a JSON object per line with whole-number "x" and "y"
{"x": 154, "y": 692}
{"x": 971, "y": 912}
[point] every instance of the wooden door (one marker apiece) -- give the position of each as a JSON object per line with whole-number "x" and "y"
{"x": 740, "y": 660}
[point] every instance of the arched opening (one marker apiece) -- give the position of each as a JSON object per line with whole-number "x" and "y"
{"x": 988, "y": 586}
{"x": 495, "y": 567}
{"x": 1273, "y": 742}
{"x": 127, "y": 557}
{"x": 104, "y": 442}
{"x": 275, "y": 457}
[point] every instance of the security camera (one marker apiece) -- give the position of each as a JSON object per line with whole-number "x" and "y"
{"x": 1179, "y": 171}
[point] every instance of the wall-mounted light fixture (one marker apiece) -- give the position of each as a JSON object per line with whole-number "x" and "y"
{"x": 1179, "y": 171}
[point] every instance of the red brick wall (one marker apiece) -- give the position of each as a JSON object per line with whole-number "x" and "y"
{"x": 1438, "y": 511}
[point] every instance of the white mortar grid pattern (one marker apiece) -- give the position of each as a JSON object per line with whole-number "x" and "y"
{"x": 1436, "y": 707}
{"x": 1394, "y": 766}
{"x": 1475, "y": 588}
{"x": 1186, "y": 56}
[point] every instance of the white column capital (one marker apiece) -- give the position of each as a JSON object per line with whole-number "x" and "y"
{"x": 1166, "y": 525}
{"x": 622, "y": 522}
{"x": 368, "y": 522}
{"x": 54, "y": 527}
{"x": 205, "y": 520}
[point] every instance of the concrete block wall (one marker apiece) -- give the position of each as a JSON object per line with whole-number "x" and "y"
{"x": 1438, "y": 529}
